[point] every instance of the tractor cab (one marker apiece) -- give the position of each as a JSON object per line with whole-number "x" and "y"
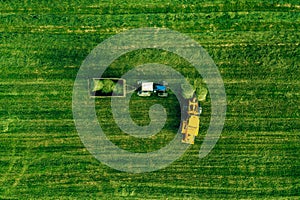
{"x": 161, "y": 90}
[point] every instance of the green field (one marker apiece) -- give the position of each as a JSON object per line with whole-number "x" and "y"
{"x": 255, "y": 45}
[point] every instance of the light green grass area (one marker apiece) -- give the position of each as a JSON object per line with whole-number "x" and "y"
{"x": 255, "y": 45}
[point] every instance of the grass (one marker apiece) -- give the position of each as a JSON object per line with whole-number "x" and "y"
{"x": 254, "y": 43}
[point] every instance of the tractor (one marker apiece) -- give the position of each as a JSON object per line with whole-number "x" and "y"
{"x": 147, "y": 88}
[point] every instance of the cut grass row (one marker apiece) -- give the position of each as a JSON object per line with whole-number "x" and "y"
{"x": 121, "y": 7}
{"x": 188, "y": 23}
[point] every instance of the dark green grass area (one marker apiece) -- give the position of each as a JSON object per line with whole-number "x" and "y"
{"x": 255, "y": 45}
{"x": 139, "y": 109}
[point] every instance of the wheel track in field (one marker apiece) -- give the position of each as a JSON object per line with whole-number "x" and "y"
{"x": 5, "y": 176}
{"x": 12, "y": 155}
{"x": 25, "y": 165}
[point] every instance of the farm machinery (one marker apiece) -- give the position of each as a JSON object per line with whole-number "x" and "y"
{"x": 116, "y": 87}
{"x": 190, "y": 126}
{"x": 189, "y": 123}
{"x": 147, "y": 88}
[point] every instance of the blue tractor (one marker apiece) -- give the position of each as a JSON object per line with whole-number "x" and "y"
{"x": 146, "y": 88}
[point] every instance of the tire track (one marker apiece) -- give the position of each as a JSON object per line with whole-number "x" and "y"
{"x": 6, "y": 175}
